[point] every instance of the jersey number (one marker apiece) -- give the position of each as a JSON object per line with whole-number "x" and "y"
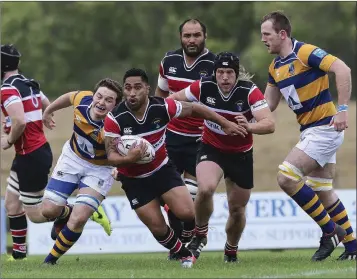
{"x": 291, "y": 96}
{"x": 85, "y": 146}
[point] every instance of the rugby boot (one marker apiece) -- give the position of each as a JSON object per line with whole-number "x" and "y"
{"x": 328, "y": 243}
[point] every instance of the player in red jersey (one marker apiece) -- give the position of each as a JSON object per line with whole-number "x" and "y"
{"x": 22, "y": 103}
{"x": 230, "y": 93}
{"x": 146, "y": 184}
{"x": 178, "y": 69}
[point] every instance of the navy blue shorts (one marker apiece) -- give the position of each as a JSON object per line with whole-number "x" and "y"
{"x": 236, "y": 166}
{"x": 141, "y": 191}
{"x": 182, "y": 151}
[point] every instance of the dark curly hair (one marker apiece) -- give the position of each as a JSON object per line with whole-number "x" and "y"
{"x": 134, "y": 72}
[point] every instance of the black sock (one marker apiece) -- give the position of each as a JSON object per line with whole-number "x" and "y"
{"x": 175, "y": 223}
{"x": 18, "y": 228}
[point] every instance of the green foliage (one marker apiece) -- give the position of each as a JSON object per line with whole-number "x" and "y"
{"x": 71, "y": 45}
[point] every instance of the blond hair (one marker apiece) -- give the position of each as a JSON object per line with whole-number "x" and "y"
{"x": 244, "y": 75}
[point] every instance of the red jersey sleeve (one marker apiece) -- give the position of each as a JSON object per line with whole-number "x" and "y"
{"x": 111, "y": 126}
{"x": 193, "y": 91}
{"x": 9, "y": 96}
{"x": 256, "y": 99}
{"x": 173, "y": 108}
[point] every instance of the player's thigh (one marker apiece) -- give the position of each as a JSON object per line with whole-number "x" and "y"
{"x": 238, "y": 169}
{"x": 98, "y": 178}
{"x": 32, "y": 172}
{"x": 13, "y": 204}
{"x": 63, "y": 182}
{"x": 171, "y": 189}
{"x": 180, "y": 202}
{"x": 237, "y": 197}
{"x": 150, "y": 214}
{"x": 139, "y": 191}
{"x": 189, "y": 159}
{"x": 316, "y": 148}
{"x": 209, "y": 169}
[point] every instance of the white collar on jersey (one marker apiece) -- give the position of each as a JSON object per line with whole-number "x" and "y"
{"x": 229, "y": 95}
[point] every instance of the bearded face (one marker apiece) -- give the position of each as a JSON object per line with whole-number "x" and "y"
{"x": 193, "y": 40}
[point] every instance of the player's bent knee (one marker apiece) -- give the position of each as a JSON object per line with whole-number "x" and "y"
{"x": 50, "y": 210}
{"x": 319, "y": 184}
{"x": 12, "y": 207}
{"x": 78, "y": 220}
{"x": 186, "y": 214}
{"x": 237, "y": 212}
{"x": 206, "y": 190}
{"x": 288, "y": 175}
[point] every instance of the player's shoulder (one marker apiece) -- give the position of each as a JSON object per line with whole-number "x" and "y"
{"x": 208, "y": 79}
{"x": 119, "y": 108}
{"x": 210, "y": 56}
{"x": 15, "y": 81}
{"x": 155, "y": 100}
{"x": 82, "y": 98}
{"x": 302, "y": 49}
{"x": 245, "y": 84}
{"x": 173, "y": 55}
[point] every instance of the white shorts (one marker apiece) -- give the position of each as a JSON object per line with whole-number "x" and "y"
{"x": 72, "y": 172}
{"x": 321, "y": 143}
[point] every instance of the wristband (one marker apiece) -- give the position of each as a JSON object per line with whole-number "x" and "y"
{"x": 342, "y": 108}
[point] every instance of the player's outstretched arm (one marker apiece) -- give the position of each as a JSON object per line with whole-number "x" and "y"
{"x": 61, "y": 102}
{"x": 272, "y": 96}
{"x": 344, "y": 87}
{"x": 200, "y": 111}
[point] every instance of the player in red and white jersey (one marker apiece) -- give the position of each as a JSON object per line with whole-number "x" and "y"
{"x": 179, "y": 69}
{"x": 231, "y": 94}
{"x": 22, "y": 103}
{"x": 146, "y": 184}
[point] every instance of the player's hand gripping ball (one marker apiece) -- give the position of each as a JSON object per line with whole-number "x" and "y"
{"x": 125, "y": 143}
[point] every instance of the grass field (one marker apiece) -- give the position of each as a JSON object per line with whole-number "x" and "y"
{"x": 253, "y": 264}
{"x": 269, "y": 150}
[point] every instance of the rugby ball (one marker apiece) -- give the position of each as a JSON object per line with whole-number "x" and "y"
{"x": 126, "y": 142}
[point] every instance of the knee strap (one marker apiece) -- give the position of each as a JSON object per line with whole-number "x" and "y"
{"x": 88, "y": 200}
{"x": 319, "y": 184}
{"x": 290, "y": 171}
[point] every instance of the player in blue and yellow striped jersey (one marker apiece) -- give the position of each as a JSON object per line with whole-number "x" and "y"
{"x": 83, "y": 165}
{"x": 299, "y": 74}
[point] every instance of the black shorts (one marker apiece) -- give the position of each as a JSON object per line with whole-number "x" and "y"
{"x": 141, "y": 191}
{"x": 32, "y": 169}
{"x": 182, "y": 151}
{"x": 236, "y": 166}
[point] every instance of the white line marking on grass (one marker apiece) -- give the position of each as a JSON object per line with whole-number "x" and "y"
{"x": 309, "y": 273}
